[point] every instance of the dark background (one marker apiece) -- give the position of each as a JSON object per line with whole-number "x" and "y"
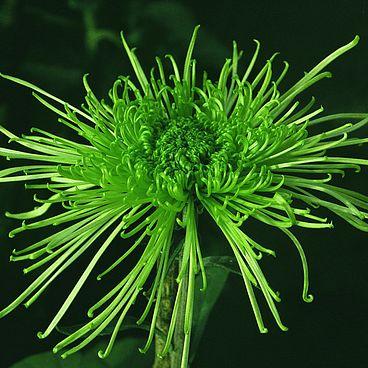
{"x": 54, "y": 43}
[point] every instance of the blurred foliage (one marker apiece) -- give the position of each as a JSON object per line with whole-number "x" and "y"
{"x": 7, "y": 12}
{"x": 53, "y": 44}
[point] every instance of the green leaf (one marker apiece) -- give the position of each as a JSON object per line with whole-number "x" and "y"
{"x": 217, "y": 271}
{"x": 227, "y": 263}
{"x": 49, "y": 360}
{"x": 129, "y": 323}
{"x": 124, "y": 354}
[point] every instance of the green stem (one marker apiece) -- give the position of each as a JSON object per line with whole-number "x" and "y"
{"x": 170, "y": 287}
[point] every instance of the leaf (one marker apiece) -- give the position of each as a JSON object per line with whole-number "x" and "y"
{"x": 217, "y": 271}
{"x": 227, "y": 263}
{"x": 124, "y": 354}
{"x": 50, "y": 360}
{"x": 129, "y": 323}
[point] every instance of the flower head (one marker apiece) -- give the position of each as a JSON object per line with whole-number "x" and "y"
{"x": 155, "y": 155}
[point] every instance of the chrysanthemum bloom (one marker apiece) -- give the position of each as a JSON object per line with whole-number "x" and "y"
{"x": 160, "y": 152}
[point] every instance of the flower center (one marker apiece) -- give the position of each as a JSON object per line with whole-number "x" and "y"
{"x": 183, "y": 145}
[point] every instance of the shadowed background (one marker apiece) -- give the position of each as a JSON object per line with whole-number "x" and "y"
{"x": 54, "y": 43}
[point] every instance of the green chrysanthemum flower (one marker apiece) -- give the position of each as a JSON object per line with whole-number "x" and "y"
{"x": 158, "y": 154}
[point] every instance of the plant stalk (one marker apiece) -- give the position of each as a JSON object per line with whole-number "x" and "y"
{"x": 170, "y": 288}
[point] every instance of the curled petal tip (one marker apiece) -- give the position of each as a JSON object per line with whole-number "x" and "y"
{"x": 308, "y": 298}
{"x": 101, "y": 354}
{"x": 40, "y": 335}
